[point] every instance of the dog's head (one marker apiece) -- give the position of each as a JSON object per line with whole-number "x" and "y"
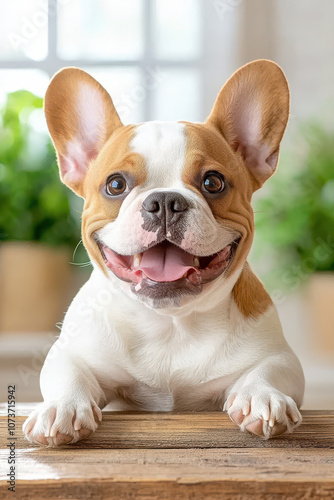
{"x": 167, "y": 204}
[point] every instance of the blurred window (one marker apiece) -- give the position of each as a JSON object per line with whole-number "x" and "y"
{"x": 24, "y": 31}
{"x": 146, "y": 53}
{"x": 99, "y": 30}
{"x": 177, "y": 29}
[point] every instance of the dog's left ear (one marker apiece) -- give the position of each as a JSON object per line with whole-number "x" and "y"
{"x": 251, "y": 112}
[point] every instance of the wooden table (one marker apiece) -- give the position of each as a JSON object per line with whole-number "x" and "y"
{"x": 175, "y": 456}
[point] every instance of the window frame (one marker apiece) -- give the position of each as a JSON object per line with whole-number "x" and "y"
{"x": 52, "y": 62}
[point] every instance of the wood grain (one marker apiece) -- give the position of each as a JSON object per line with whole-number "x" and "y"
{"x": 165, "y": 473}
{"x": 188, "y": 430}
{"x": 176, "y": 456}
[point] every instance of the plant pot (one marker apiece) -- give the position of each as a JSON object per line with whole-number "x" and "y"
{"x": 34, "y": 286}
{"x": 320, "y": 304}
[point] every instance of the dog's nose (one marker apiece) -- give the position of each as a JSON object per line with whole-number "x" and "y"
{"x": 164, "y": 205}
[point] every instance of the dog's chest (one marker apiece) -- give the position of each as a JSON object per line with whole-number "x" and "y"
{"x": 170, "y": 354}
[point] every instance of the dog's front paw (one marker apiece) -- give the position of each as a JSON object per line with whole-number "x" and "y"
{"x": 56, "y": 423}
{"x": 263, "y": 410}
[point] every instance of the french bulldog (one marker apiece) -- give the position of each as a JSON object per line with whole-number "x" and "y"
{"x": 172, "y": 317}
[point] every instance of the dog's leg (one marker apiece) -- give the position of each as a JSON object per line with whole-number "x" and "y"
{"x": 71, "y": 393}
{"x": 265, "y": 400}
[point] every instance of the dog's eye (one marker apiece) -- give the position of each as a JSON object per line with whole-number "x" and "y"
{"x": 213, "y": 183}
{"x": 116, "y": 184}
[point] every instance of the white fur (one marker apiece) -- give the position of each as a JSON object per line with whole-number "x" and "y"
{"x": 115, "y": 350}
{"x": 163, "y": 145}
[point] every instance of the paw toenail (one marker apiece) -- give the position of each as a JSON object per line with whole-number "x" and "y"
{"x": 237, "y": 417}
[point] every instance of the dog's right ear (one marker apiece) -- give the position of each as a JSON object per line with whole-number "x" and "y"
{"x": 81, "y": 117}
{"x": 251, "y": 112}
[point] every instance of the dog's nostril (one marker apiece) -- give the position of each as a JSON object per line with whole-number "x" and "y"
{"x": 154, "y": 206}
{"x": 151, "y": 206}
{"x": 178, "y": 205}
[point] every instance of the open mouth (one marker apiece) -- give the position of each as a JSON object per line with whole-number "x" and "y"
{"x": 169, "y": 264}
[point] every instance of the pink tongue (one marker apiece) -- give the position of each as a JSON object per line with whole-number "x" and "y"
{"x": 166, "y": 263}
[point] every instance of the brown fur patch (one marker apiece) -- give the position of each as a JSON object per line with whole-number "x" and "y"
{"x": 99, "y": 209}
{"x": 208, "y": 150}
{"x": 250, "y": 295}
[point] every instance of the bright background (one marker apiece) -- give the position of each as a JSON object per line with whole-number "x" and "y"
{"x": 166, "y": 60}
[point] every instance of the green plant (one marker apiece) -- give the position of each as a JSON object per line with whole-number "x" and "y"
{"x": 295, "y": 219}
{"x": 34, "y": 205}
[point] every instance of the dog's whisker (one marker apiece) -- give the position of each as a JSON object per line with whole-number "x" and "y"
{"x": 76, "y": 248}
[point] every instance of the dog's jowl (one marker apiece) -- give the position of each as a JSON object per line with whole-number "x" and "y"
{"x": 172, "y": 317}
